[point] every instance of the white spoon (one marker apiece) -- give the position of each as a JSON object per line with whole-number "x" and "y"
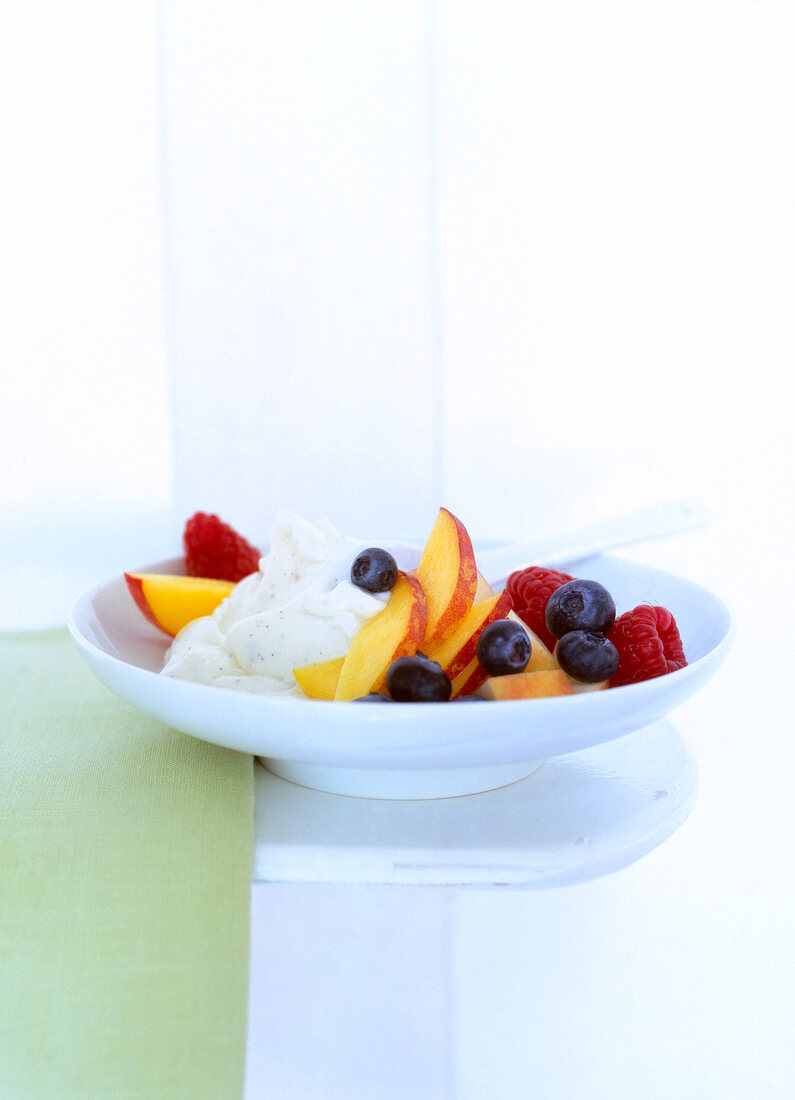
{"x": 669, "y": 518}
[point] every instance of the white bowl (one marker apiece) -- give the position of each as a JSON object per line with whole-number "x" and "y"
{"x": 405, "y": 750}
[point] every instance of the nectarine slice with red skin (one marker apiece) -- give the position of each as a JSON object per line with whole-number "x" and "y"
{"x": 449, "y": 575}
{"x": 473, "y": 676}
{"x": 469, "y": 679}
{"x": 170, "y": 602}
{"x": 397, "y": 631}
{"x": 319, "y": 680}
{"x": 527, "y": 685}
{"x": 458, "y": 649}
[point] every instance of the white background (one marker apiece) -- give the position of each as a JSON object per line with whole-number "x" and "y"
{"x": 533, "y": 262}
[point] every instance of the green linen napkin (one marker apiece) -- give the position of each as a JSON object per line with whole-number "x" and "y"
{"x": 125, "y": 871}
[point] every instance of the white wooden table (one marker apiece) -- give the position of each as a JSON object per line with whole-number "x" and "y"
{"x": 618, "y": 924}
{"x": 576, "y": 818}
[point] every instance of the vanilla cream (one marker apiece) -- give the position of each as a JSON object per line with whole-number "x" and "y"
{"x": 298, "y": 608}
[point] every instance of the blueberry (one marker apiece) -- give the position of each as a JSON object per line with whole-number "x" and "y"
{"x": 374, "y": 570}
{"x": 470, "y": 699}
{"x": 503, "y": 647}
{"x": 418, "y": 680}
{"x": 587, "y": 656}
{"x": 580, "y": 605}
{"x": 373, "y": 697}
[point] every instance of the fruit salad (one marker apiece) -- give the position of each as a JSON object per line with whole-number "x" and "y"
{"x": 323, "y": 616}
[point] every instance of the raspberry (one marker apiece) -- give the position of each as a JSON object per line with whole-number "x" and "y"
{"x": 530, "y": 589}
{"x": 648, "y": 644}
{"x": 214, "y": 549}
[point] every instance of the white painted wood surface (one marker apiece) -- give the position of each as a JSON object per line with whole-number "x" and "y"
{"x": 507, "y": 259}
{"x": 577, "y": 817}
{"x": 299, "y": 181}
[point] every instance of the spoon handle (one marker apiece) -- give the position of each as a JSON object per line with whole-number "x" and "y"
{"x": 669, "y": 518}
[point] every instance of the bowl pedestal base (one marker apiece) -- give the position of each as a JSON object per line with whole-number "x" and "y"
{"x": 401, "y": 783}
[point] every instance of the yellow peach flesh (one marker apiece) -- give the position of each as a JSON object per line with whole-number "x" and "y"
{"x": 171, "y": 602}
{"x": 449, "y": 576}
{"x": 397, "y": 631}
{"x": 319, "y": 681}
{"x": 527, "y": 685}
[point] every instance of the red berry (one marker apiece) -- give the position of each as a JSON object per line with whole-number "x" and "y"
{"x": 214, "y": 549}
{"x": 648, "y": 643}
{"x": 530, "y": 589}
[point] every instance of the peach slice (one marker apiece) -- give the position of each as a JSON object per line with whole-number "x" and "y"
{"x": 458, "y": 649}
{"x": 541, "y": 657}
{"x": 527, "y": 685}
{"x": 319, "y": 681}
{"x": 171, "y": 602}
{"x": 578, "y": 687}
{"x": 469, "y": 679}
{"x": 483, "y": 589}
{"x": 397, "y": 631}
{"x": 449, "y": 575}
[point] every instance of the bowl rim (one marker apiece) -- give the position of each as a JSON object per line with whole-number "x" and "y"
{"x": 385, "y": 734}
